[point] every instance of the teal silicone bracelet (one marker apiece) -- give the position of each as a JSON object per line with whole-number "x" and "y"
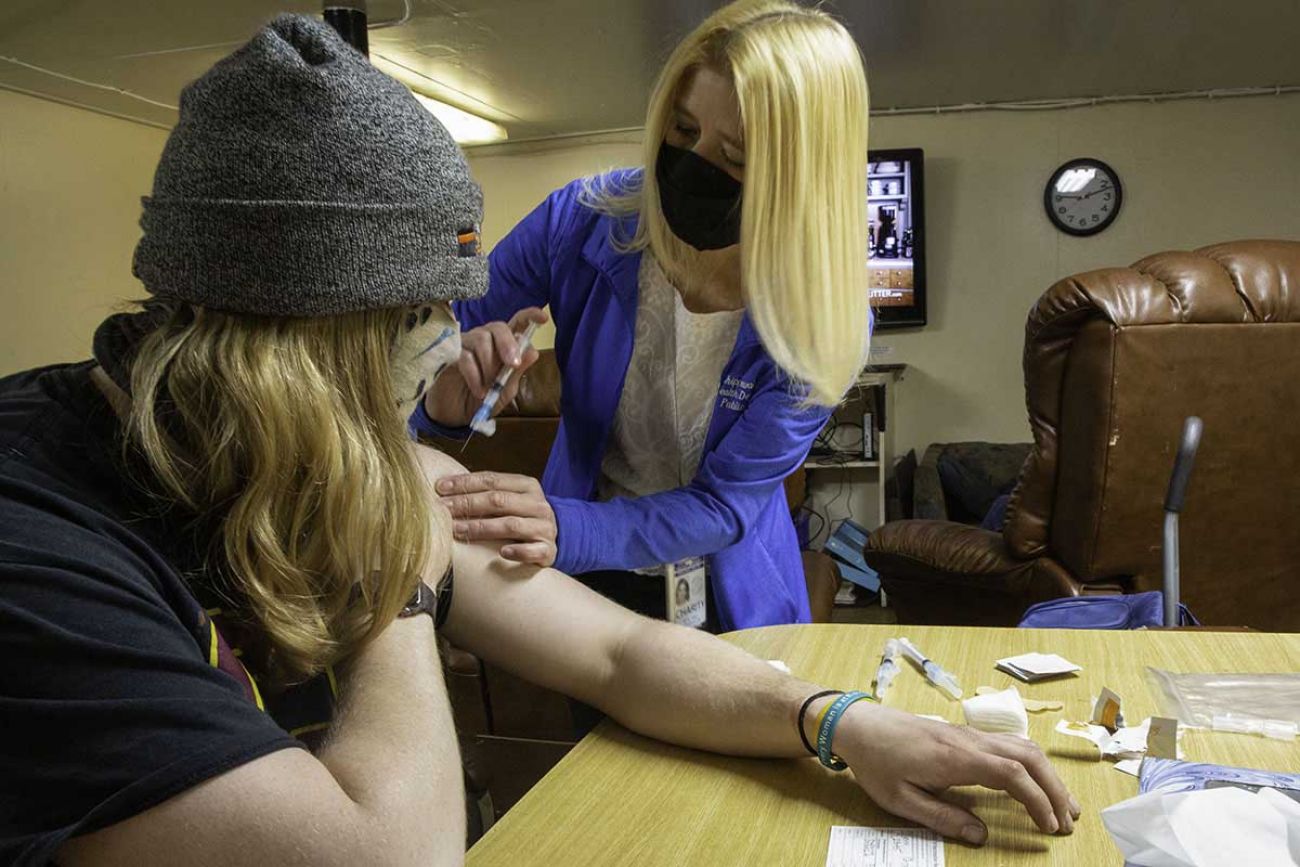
{"x": 827, "y": 730}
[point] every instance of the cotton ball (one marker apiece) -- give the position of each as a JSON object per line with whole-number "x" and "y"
{"x": 998, "y": 713}
{"x": 1033, "y": 705}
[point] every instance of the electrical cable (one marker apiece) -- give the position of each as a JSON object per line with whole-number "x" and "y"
{"x": 1057, "y": 104}
{"x": 1052, "y": 104}
{"x": 118, "y": 90}
{"x": 829, "y": 453}
{"x": 121, "y": 91}
{"x": 823, "y": 442}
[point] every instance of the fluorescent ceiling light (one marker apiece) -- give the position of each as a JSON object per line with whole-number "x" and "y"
{"x": 465, "y": 128}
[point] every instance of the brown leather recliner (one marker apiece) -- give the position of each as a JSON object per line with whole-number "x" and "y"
{"x": 1114, "y": 360}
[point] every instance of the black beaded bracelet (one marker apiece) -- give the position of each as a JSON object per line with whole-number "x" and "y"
{"x": 803, "y": 711}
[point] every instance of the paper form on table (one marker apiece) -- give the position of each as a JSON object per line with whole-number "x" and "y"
{"x": 854, "y": 846}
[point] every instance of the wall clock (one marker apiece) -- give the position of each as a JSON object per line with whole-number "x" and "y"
{"x": 1083, "y": 197}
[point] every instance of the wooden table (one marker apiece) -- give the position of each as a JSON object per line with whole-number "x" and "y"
{"x": 619, "y": 798}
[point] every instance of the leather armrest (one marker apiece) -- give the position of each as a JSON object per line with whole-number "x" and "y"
{"x": 940, "y": 547}
{"x": 539, "y": 389}
{"x": 943, "y": 572}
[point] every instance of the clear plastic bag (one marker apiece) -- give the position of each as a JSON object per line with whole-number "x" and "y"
{"x": 1196, "y": 699}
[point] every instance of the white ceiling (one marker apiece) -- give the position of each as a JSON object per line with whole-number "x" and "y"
{"x": 554, "y": 67}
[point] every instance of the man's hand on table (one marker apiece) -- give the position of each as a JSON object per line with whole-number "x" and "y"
{"x": 905, "y": 762}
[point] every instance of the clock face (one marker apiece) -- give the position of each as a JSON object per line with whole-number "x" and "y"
{"x": 1083, "y": 197}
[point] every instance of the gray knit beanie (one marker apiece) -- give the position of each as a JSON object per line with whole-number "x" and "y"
{"x": 302, "y": 181}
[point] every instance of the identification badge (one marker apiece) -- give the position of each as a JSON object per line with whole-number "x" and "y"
{"x": 687, "y": 586}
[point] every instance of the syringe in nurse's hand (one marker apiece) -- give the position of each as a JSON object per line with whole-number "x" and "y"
{"x": 482, "y": 422}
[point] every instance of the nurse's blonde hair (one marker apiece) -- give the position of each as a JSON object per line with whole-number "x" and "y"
{"x": 802, "y": 91}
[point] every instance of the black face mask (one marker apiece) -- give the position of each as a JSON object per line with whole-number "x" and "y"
{"x": 700, "y": 201}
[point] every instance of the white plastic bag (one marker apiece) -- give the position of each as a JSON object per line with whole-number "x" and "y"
{"x": 1196, "y": 699}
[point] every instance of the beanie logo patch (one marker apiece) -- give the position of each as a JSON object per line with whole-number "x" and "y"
{"x": 467, "y": 244}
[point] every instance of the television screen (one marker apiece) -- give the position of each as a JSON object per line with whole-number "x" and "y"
{"x": 896, "y": 251}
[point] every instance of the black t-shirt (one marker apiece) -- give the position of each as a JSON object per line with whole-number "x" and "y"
{"x": 117, "y": 688}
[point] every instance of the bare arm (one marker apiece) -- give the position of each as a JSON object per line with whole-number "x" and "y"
{"x": 386, "y": 789}
{"x": 393, "y": 749}
{"x": 655, "y": 678}
{"x": 692, "y": 689}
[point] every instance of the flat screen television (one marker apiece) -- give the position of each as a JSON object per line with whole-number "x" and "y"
{"x": 896, "y": 254}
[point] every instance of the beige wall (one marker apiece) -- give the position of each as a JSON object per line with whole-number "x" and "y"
{"x": 70, "y": 187}
{"x": 1194, "y": 173}
{"x": 516, "y": 178}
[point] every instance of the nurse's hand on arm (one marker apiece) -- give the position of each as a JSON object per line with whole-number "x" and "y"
{"x": 768, "y": 442}
{"x": 502, "y": 507}
{"x": 459, "y": 391}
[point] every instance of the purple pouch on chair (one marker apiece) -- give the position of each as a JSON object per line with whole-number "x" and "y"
{"x": 1130, "y": 611}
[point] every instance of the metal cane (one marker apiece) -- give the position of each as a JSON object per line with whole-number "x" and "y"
{"x": 1183, "y": 462}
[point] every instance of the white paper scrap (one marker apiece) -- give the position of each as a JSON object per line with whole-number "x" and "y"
{"x": 1206, "y": 827}
{"x": 1129, "y": 766}
{"x": 1087, "y": 731}
{"x": 855, "y": 846}
{"x": 1129, "y": 742}
{"x": 1126, "y": 743}
{"x": 1031, "y": 667}
{"x": 779, "y": 665}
